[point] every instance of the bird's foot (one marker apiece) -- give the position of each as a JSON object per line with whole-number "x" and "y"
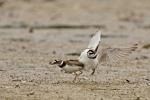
{"x": 84, "y": 78}
{"x": 93, "y": 71}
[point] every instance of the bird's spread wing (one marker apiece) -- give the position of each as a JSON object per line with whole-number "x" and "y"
{"x": 94, "y": 42}
{"x": 114, "y": 55}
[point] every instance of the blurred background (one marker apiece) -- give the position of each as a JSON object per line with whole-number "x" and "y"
{"x": 111, "y": 15}
{"x": 34, "y": 32}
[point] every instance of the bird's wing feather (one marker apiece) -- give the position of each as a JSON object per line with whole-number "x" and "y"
{"x": 95, "y": 40}
{"x": 113, "y": 55}
{"x": 74, "y": 62}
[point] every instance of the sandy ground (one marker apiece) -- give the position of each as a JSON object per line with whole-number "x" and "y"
{"x": 34, "y": 32}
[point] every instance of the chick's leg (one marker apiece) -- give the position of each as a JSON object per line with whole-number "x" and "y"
{"x": 93, "y": 71}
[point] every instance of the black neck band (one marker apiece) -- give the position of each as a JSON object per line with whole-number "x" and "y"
{"x": 92, "y": 57}
{"x": 62, "y": 65}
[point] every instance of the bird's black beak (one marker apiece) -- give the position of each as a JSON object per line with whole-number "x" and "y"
{"x": 51, "y": 63}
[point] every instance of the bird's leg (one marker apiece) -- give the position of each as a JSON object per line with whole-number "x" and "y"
{"x": 80, "y": 72}
{"x": 75, "y": 78}
{"x": 77, "y": 75}
{"x": 93, "y": 71}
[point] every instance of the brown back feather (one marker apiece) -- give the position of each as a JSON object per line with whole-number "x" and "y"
{"x": 74, "y": 62}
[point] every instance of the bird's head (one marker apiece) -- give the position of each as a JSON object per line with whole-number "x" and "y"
{"x": 56, "y": 62}
{"x": 86, "y": 55}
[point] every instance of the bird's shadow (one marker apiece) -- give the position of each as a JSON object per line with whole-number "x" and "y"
{"x": 80, "y": 83}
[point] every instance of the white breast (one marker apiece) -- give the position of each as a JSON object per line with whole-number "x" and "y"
{"x": 89, "y": 63}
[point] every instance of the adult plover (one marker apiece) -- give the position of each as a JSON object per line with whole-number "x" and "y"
{"x": 70, "y": 66}
{"x": 92, "y": 56}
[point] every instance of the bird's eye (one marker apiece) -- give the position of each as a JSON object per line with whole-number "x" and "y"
{"x": 91, "y": 54}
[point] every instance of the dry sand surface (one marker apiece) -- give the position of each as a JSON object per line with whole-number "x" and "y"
{"x": 34, "y": 32}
